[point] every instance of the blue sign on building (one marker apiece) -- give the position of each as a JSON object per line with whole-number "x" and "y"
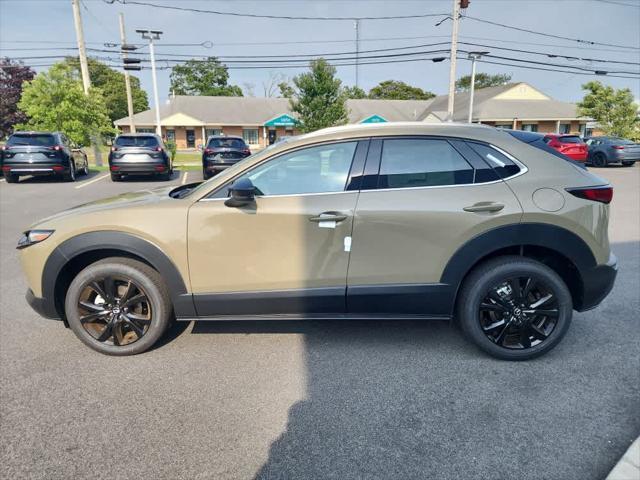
{"x": 374, "y": 119}
{"x": 282, "y": 121}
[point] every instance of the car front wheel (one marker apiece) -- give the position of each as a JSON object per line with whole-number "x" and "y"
{"x": 118, "y": 306}
{"x": 514, "y": 308}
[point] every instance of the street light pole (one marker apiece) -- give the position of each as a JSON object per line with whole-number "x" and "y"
{"x": 356, "y": 25}
{"x": 152, "y": 35}
{"x": 454, "y": 52}
{"x": 473, "y": 56}
{"x": 127, "y": 80}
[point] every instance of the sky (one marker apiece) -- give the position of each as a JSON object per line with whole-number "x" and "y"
{"x": 46, "y": 27}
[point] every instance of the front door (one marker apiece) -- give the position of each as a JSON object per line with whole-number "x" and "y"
{"x": 431, "y": 195}
{"x": 288, "y": 253}
{"x": 272, "y": 137}
{"x": 191, "y": 139}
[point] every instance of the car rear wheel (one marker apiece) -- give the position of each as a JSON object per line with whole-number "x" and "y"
{"x": 85, "y": 169}
{"x": 116, "y": 177}
{"x": 118, "y": 306}
{"x": 600, "y": 160}
{"x": 70, "y": 176}
{"x": 514, "y": 308}
{"x": 11, "y": 178}
{"x": 205, "y": 174}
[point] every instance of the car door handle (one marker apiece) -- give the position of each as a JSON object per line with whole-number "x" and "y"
{"x": 329, "y": 217}
{"x": 484, "y": 207}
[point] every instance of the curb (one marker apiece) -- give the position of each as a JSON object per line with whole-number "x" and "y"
{"x": 628, "y": 467}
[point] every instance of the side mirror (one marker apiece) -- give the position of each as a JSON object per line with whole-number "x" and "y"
{"x": 241, "y": 193}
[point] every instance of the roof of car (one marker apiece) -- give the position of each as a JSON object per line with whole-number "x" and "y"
{"x": 138, "y": 134}
{"x": 33, "y": 132}
{"x": 234, "y": 137}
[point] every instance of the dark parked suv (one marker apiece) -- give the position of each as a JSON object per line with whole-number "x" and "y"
{"x": 606, "y": 150}
{"x": 139, "y": 154}
{"x": 41, "y": 153}
{"x": 221, "y": 152}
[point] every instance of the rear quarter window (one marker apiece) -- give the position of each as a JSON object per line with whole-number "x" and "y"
{"x": 38, "y": 140}
{"x": 500, "y": 163}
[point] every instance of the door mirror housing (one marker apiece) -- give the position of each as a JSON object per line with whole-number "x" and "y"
{"x": 241, "y": 193}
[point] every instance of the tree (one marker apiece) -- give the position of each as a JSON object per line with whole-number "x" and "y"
{"x": 111, "y": 82}
{"x": 396, "y": 90}
{"x": 613, "y": 109}
{"x": 12, "y": 76}
{"x": 354, "y": 92}
{"x": 318, "y": 98}
{"x": 55, "y": 101}
{"x": 483, "y": 80}
{"x": 203, "y": 77}
{"x": 286, "y": 90}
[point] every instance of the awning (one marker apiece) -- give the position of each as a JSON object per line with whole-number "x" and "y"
{"x": 374, "y": 119}
{"x": 283, "y": 120}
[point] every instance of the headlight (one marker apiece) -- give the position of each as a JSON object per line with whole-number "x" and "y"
{"x": 33, "y": 236}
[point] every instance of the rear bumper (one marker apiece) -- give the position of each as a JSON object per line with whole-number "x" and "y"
{"x": 216, "y": 167}
{"x": 42, "y": 306}
{"x": 139, "y": 168}
{"x": 33, "y": 169}
{"x": 597, "y": 283}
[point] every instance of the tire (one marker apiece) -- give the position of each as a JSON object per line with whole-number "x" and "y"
{"x": 129, "y": 326}
{"x": 115, "y": 177}
{"x": 71, "y": 175}
{"x": 205, "y": 174}
{"x": 599, "y": 160}
{"x": 165, "y": 177}
{"x": 504, "y": 332}
{"x": 85, "y": 170}
{"x": 11, "y": 178}
{"x": 628, "y": 164}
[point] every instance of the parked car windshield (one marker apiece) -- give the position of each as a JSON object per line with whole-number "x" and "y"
{"x": 226, "y": 143}
{"x": 137, "y": 141}
{"x": 537, "y": 140}
{"x": 32, "y": 139}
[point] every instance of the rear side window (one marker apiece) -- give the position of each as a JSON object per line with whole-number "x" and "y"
{"x": 137, "y": 141}
{"x": 500, "y": 163}
{"x": 36, "y": 140}
{"x": 422, "y": 163}
{"x": 226, "y": 143}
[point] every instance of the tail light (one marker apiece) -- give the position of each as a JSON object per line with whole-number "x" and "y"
{"x": 158, "y": 149}
{"x": 617, "y": 147}
{"x": 207, "y": 151}
{"x": 114, "y": 149}
{"x": 159, "y": 168}
{"x": 57, "y": 148}
{"x": 58, "y": 168}
{"x": 597, "y": 194}
{"x": 6, "y": 168}
{"x": 114, "y": 168}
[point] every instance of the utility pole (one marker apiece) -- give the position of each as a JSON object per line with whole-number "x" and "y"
{"x": 473, "y": 56}
{"x": 454, "y": 52}
{"x": 127, "y": 80}
{"x": 356, "y": 25}
{"x": 84, "y": 69}
{"x": 152, "y": 35}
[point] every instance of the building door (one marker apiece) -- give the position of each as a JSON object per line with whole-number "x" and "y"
{"x": 191, "y": 139}
{"x": 272, "y": 137}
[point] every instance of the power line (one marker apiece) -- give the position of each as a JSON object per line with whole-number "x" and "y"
{"x": 560, "y": 37}
{"x": 276, "y": 17}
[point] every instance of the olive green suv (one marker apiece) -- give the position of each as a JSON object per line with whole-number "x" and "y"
{"x": 395, "y": 221}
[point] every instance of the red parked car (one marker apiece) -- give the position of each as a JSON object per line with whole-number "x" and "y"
{"x": 570, "y": 145}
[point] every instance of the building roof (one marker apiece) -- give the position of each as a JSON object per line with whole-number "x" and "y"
{"x": 505, "y": 102}
{"x": 248, "y": 111}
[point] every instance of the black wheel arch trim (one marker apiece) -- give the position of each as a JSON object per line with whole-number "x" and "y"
{"x": 553, "y": 237}
{"x": 117, "y": 241}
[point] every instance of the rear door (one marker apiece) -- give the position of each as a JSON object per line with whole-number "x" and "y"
{"x": 422, "y": 199}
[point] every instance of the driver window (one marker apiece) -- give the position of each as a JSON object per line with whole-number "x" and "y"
{"x": 320, "y": 169}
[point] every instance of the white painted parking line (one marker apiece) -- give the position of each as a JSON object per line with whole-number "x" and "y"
{"x": 1, "y": 180}
{"x": 184, "y": 177}
{"x": 92, "y": 181}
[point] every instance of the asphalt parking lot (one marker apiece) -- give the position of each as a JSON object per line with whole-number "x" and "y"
{"x": 313, "y": 399}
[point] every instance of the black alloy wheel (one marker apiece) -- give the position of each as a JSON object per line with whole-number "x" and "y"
{"x": 599, "y": 160}
{"x": 519, "y": 313}
{"x": 118, "y": 306}
{"x": 115, "y": 310}
{"x": 71, "y": 176}
{"x": 514, "y": 308}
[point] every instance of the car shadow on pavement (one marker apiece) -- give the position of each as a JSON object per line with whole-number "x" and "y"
{"x": 149, "y": 178}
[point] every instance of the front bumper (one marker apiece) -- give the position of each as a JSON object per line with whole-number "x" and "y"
{"x": 597, "y": 284}
{"x": 43, "y": 306}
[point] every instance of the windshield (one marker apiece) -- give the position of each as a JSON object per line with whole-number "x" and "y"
{"x": 226, "y": 143}
{"x": 38, "y": 140}
{"x": 144, "y": 142}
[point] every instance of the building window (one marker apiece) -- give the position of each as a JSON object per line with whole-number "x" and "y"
{"x": 564, "y": 128}
{"x": 250, "y": 135}
{"x": 209, "y": 132}
{"x": 583, "y": 129}
{"x": 529, "y": 127}
{"x": 504, "y": 125}
{"x": 171, "y": 135}
{"x": 145, "y": 130}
